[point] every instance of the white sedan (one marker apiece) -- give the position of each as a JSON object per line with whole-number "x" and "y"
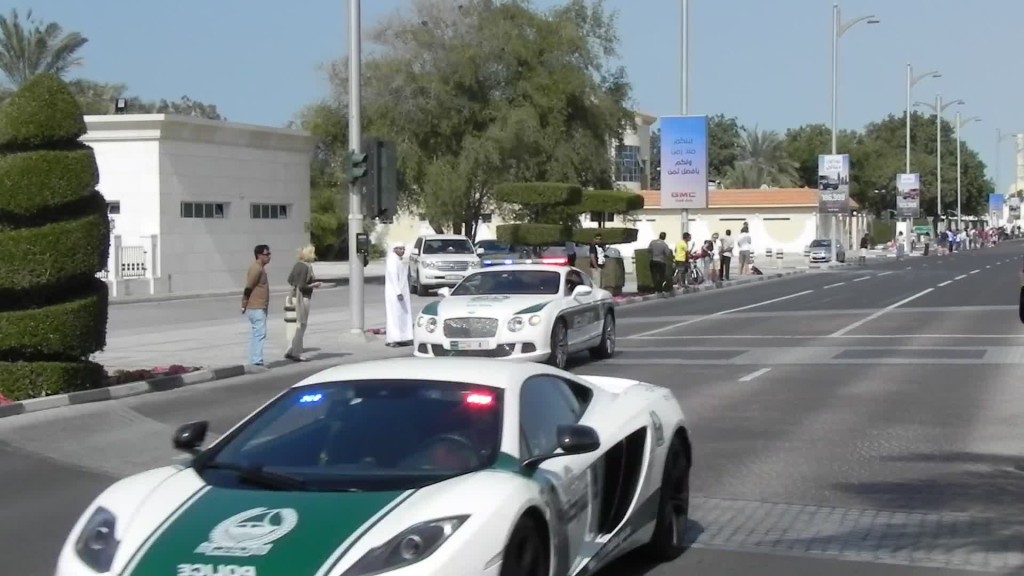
{"x": 403, "y": 467}
{"x": 533, "y": 311}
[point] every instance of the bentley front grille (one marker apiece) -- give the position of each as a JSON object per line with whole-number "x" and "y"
{"x": 470, "y": 327}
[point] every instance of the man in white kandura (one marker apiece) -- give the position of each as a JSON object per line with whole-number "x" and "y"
{"x": 397, "y": 302}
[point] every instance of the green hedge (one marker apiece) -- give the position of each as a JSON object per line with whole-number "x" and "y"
{"x": 61, "y": 252}
{"x": 533, "y": 234}
{"x": 611, "y": 201}
{"x": 54, "y": 179}
{"x": 538, "y": 194}
{"x": 40, "y": 113}
{"x": 608, "y": 235}
{"x": 25, "y": 380}
{"x": 72, "y": 329}
{"x": 644, "y": 282}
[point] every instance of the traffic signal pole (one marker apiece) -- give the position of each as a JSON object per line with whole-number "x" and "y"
{"x": 355, "y": 205}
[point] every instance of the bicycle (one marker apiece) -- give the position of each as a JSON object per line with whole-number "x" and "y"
{"x": 693, "y": 275}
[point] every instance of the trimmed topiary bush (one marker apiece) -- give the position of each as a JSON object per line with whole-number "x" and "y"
{"x": 54, "y": 238}
{"x": 528, "y": 194}
{"x": 611, "y": 201}
{"x": 642, "y": 263}
{"x": 608, "y": 235}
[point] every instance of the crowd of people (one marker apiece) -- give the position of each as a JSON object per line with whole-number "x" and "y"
{"x": 672, "y": 266}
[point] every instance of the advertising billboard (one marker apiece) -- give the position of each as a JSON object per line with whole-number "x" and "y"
{"x": 908, "y": 195}
{"x": 684, "y": 162}
{"x": 833, "y": 183}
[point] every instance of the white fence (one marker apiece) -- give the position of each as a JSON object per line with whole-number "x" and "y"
{"x": 134, "y": 261}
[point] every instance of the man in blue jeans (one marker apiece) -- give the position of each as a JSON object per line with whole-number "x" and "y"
{"x": 255, "y": 301}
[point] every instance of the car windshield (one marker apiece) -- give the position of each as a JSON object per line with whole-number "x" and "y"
{"x": 510, "y": 282}
{"x": 821, "y": 243}
{"x": 368, "y": 435}
{"x": 448, "y": 246}
{"x": 493, "y": 246}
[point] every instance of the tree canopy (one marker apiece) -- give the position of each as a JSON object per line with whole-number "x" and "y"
{"x": 742, "y": 158}
{"x": 484, "y": 92}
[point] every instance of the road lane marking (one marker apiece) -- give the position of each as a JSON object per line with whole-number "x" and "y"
{"x": 890, "y": 272}
{"x": 815, "y": 337}
{"x": 863, "y": 321}
{"x": 836, "y": 284}
{"x": 909, "y": 267}
{"x": 975, "y": 271}
{"x": 754, "y": 374}
{"x": 960, "y": 277}
{"x": 987, "y": 266}
{"x": 947, "y": 282}
{"x": 861, "y": 278}
{"x": 719, "y": 313}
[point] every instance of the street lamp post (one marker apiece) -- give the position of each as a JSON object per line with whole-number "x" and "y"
{"x": 684, "y": 85}
{"x": 911, "y": 82}
{"x": 838, "y": 29}
{"x": 959, "y": 124}
{"x": 938, "y": 108}
{"x": 355, "y": 137}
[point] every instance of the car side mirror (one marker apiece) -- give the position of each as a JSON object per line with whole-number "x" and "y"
{"x": 189, "y": 437}
{"x": 572, "y": 439}
{"x": 444, "y": 292}
{"x": 582, "y": 290}
{"x": 414, "y": 252}
{"x": 480, "y": 251}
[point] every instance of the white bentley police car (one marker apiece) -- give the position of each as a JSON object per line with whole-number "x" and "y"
{"x": 536, "y": 310}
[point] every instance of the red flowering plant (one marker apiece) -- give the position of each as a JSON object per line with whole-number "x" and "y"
{"x": 126, "y": 376}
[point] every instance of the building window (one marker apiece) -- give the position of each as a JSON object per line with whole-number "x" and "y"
{"x": 113, "y": 207}
{"x": 268, "y": 211}
{"x": 628, "y": 167}
{"x": 202, "y": 209}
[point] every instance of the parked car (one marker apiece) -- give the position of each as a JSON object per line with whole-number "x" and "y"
{"x": 440, "y": 261}
{"x": 821, "y": 251}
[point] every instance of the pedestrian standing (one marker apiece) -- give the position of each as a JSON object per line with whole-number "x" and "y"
{"x": 255, "y": 301}
{"x": 596, "y": 259}
{"x": 744, "y": 244}
{"x": 727, "y": 246}
{"x": 303, "y": 281}
{"x": 397, "y": 301}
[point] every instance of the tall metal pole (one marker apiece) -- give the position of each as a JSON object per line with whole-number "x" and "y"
{"x": 910, "y": 82}
{"x": 959, "y": 221}
{"x": 938, "y": 158}
{"x": 999, "y": 145}
{"x": 684, "y": 86}
{"x": 355, "y": 138}
{"x": 835, "y": 105}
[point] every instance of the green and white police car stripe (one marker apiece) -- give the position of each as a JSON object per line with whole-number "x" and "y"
{"x": 230, "y": 532}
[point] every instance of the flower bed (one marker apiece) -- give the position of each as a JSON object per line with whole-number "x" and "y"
{"x": 125, "y": 376}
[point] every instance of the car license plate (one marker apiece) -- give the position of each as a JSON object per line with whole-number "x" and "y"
{"x": 453, "y": 277}
{"x": 470, "y": 345}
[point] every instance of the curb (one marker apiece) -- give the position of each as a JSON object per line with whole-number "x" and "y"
{"x": 165, "y": 383}
{"x": 329, "y": 284}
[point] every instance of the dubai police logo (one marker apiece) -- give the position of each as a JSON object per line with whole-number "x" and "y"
{"x": 249, "y": 533}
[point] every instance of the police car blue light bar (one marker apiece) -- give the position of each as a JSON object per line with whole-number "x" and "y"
{"x": 563, "y": 261}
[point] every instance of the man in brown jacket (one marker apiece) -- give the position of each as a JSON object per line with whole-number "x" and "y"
{"x": 256, "y": 301}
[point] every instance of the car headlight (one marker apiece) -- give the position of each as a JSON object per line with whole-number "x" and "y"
{"x": 421, "y": 321}
{"x": 516, "y": 323}
{"x": 96, "y": 544}
{"x": 431, "y": 324}
{"x": 475, "y": 263}
{"x": 535, "y": 320}
{"x": 408, "y": 547}
{"x": 428, "y": 263}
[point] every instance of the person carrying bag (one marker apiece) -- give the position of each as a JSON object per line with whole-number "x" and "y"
{"x": 296, "y": 305}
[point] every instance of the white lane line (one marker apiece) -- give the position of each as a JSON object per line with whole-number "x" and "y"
{"x": 975, "y": 271}
{"x": 815, "y": 337}
{"x": 861, "y": 278}
{"x": 863, "y": 321}
{"x": 836, "y": 284}
{"x": 719, "y": 313}
{"x": 754, "y": 374}
{"x": 890, "y": 272}
{"x": 946, "y": 283}
{"x": 908, "y": 268}
{"x": 960, "y": 277}
{"x": 987, "y": 266}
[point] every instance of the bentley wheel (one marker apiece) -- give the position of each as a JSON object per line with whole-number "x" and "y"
{"x": 669, "y": 538}
{"x": 606, "y": 347}
{"x": 559, "y": 345}
{"x": 526, "y": 553}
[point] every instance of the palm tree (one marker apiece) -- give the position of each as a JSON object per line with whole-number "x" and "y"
{"x": 30, "y": 48}
{"x": 762, "y": 161}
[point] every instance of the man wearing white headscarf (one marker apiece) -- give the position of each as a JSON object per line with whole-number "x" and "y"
{"x": 397, "y": 302}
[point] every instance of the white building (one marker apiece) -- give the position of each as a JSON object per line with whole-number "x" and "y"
{"x": 189, "y": 198}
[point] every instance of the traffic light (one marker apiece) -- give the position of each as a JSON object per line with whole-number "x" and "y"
{"x": 381, "y": 184}
{"x": 356, "y": 166}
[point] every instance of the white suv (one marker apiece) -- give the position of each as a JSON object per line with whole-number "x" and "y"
{"x": 440, "y": 260}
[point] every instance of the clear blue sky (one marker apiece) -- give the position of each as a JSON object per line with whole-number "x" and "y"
{"x": 767, "y": 62}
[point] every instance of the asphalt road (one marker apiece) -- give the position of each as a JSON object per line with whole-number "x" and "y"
{"x": 854, "y": 422}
